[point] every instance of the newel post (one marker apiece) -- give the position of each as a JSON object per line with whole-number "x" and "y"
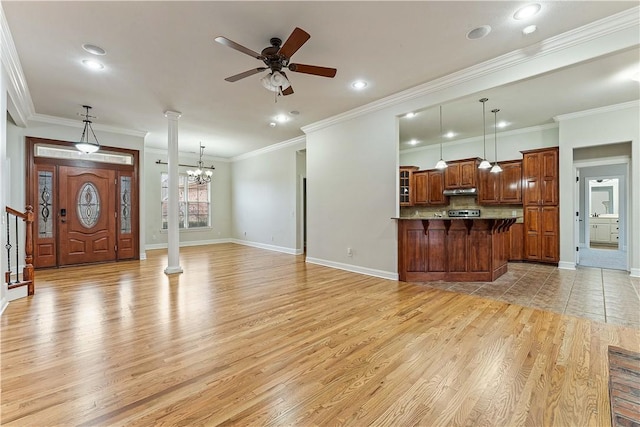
{"x": 27, "y": 272}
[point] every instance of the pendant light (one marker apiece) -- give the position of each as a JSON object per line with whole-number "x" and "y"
{"x": 496, "y": 167}
{"x": 441, "y": 163}
{"x": 84, "y": 145}
{"x": 484, "y": 164}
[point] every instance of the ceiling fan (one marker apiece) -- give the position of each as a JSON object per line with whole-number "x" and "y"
{"x": 276, "y": 57}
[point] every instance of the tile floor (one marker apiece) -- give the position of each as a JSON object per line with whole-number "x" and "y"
{"x": 599, "y": 294}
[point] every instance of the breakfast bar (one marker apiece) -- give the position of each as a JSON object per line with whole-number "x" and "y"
{"x": 453, "y": 249}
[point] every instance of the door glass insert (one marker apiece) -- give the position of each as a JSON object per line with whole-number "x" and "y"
{"x": 125, "y": 204}
{"x": 88, "y": 205}
{"x": 45, "y": 186}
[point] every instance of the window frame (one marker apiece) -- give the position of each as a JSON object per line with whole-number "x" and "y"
{"x": 184, "y": 205}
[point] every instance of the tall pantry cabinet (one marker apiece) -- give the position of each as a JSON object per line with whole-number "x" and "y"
{"x": 540, "y": 198}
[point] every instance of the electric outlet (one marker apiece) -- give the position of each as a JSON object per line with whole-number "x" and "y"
{"x": 513, "y": 213}
{"x": 272, "y": 238}
{"x": 349, "y": 252}
{"x": 245, "y": 234}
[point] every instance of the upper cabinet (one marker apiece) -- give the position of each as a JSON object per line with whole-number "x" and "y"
{"x": 406, "y": 185}
{"x": 461, "y": 174}
{"x": 501, "y": 188}
{"x": 540, "y": 177}
{"x": 428, "y": 187}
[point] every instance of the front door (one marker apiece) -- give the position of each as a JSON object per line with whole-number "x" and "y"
{"x": 86, "y": 215}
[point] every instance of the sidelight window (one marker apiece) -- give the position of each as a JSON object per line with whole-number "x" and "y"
{"x": 194, "y": 202}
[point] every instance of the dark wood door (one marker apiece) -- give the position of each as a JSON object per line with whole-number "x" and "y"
{"x": 511, "y": 182}
{"x": 421, "y": 188}
{"x": 436, "y": 187}
{"x": 86, "y": 215}
{"x": 488, "y": 187}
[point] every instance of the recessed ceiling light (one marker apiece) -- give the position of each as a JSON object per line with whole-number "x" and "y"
{"x": 502, "y": 124}
{"x": 529, "y": 29}
{"x": 359, "y": 84}
{"x": 527, "y": 11}
{"x": 272, "y": 124}
{"x": 450, "y": 134}
{"x": 92, "y": 48}
{"x": 478, "y": 33}
{"x": 94, "y": 65}
{"x": 410, "y": 115}
{"x": 281, "y": 118}
{"x": 413, "y": 142}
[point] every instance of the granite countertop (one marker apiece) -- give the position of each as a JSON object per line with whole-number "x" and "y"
{"x": 518, "y": 218}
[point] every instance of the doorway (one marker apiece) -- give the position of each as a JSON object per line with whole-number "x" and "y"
{"x": 603, "y": 212}
{"x": 84, "y": 205}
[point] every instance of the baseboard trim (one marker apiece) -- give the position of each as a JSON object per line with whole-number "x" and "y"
{"x": 354, "y": 268}
{"x": 564, "y": 265}
{"x": 290, "y": 251}
{"x": 4, "y": 303}
{"x": 185, "y": 244}
{"x": 634, "y": 272}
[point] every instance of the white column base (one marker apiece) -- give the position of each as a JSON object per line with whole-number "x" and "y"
{"x": 564, "y": 265}
{"x": 173, "y": 270}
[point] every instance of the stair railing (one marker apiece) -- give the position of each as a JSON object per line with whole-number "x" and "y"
{"x": 28, "y": 276}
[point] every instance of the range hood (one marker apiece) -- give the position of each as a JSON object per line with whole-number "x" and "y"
{"x": 461, "y": 192}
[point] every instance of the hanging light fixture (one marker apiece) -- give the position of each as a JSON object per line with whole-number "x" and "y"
{"x": 275, "y": 82}
{"x": 84, "y": 145}
{"x": 200, "y": 176}
{"x": 496, "y": 167}
{"x": 484, "y": 164}
{"x": 441, "y": 163}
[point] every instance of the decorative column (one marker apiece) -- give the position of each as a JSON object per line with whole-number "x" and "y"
{"x": 173, "y": 211}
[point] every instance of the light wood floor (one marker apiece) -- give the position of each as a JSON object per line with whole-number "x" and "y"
{"x": 251, "y": 337}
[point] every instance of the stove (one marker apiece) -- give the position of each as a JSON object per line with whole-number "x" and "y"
{"x": 464, "y": 213}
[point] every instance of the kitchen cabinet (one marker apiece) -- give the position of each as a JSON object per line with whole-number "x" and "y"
{"x": 501, "y": 188}
{"x": 428, "y": 188}
{"x": 461, "y": 174}
{"x": 604, "y": 230}
{"x": 540, "y": 177}
{"x": 540, "y": 205}
{"x": 406, "y": 185}
{"x": 516, "y": 242}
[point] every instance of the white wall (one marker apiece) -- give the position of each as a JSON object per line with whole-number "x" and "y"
{"x": 220, "y": 201}
{"x": 351, "y": 194}
{"x": 265, "y": 197}
{"x": 4, "y": 178}
{"x": 599, "y": 127}
{"x": 510, "y": 143}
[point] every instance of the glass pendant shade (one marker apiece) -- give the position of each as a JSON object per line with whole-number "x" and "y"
{"x": 441, "y": 163}
{"x": 484, "y": 164}
{"x": 496, "y": 168}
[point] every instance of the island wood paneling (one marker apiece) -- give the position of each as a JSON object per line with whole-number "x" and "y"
{"x": 251, "y": 337}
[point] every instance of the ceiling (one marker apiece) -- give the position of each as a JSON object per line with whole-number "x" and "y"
{"x": 162, "y": 56}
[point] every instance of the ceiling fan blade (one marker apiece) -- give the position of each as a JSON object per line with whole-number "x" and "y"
{"x": 245, "y": 74}
{"x": 313, "y": 69}
{"x": 233, "y": 45}
{"x": 297, "y": 38}
{"x": 287, "y": 91}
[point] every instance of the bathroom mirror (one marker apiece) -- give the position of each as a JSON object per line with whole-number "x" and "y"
{"x": 603, "y": 197}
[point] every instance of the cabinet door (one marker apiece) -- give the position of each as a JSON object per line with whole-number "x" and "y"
{"x": 468, "y": 174}
{"x": 420, "y": 188}
{"x": 516, "y": 242}
{"x": 532, "y": 224}
{"x": 550, "y": 238}
{"x": 602, "y": 233}
{"x": 531, "y": 178}
{"x": 406, "y": 185}
{"x": 549, "y": 177}
{"x": 488, "y": 187}
{"x": 435, "y": 183}
{"x": 452, "y": 176}
{"x": 511, "y": 183}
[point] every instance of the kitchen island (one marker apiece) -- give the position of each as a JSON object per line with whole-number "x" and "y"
{"x": 453, "y": 249}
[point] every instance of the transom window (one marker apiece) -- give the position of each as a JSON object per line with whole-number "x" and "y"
{"x": 194, "y": 203}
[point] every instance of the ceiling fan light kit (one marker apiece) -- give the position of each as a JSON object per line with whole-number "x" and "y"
{"x": 276, "y": 58}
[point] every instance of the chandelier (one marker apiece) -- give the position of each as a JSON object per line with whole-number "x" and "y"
{"x": 84, "y": 145}
{"x": 200, "y": 175}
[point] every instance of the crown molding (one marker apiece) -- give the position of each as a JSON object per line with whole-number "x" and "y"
{"x": 43, "y": 118}
{"x": 21, "y": 103}
{"x": 537, "y": 128}
{"x": 604, "y": 27}
{"x": 187, "y": 154}
{"x": 599, "y": 110}
{"x": 273, "y": 147}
